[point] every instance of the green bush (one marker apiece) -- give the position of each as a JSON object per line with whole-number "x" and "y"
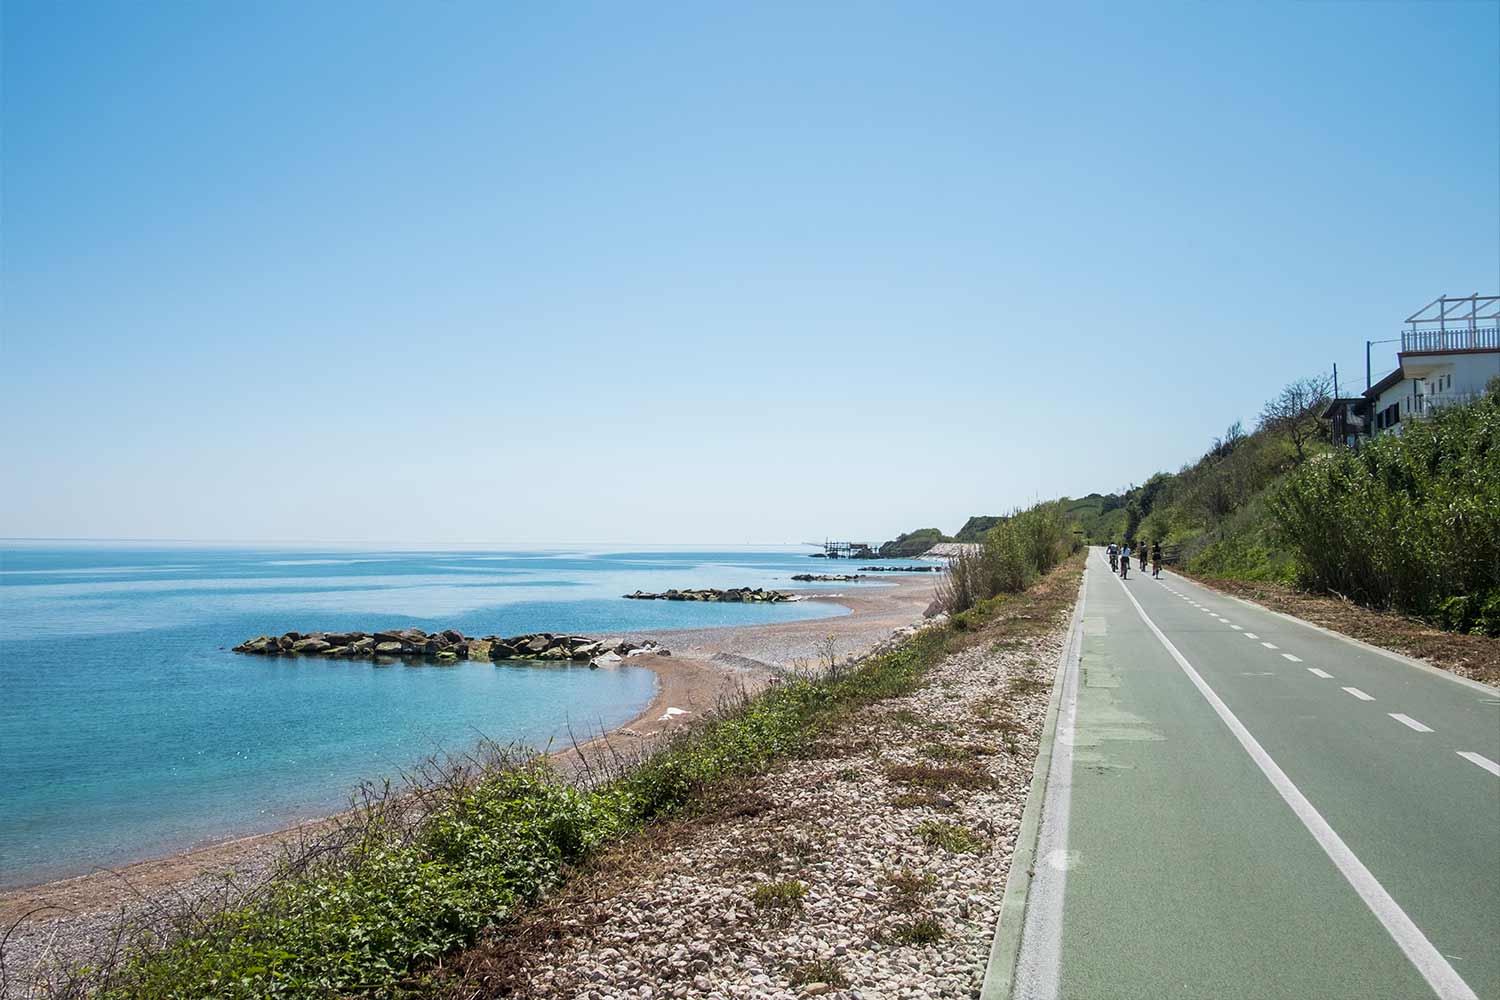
{"x": 1016, "y": 551}
{"x": 1410, "y": 521}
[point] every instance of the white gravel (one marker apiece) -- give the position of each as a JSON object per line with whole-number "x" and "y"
{"x": 687, "y": 925}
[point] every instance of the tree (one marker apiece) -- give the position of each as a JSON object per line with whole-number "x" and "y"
{"x": 1296, "y": 413}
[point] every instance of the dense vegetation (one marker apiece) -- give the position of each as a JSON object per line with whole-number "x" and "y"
{"x": 974, "y": 528}
{"x": 1410, "y": 521}
{"x": 412, "y": 876}
{"x": 912, "y": 543}
{"x": 1016, "y": 550}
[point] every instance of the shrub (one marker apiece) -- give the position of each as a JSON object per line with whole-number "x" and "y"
{"x": 1410, "y": 521}
{"x": 1015, "y": 552}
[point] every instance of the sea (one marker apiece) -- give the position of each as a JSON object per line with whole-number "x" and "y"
{"x": 128, "y": 728}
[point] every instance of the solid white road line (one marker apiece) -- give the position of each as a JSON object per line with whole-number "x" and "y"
{"x": 1039, "y": 963}
{"x": 1270, "y": 645}
{"x": 1289, "y": 656}
{"x": 1360, "y": 694}
{"x": 1320, "y": 673}
{"x": 1481, "y": 760}
{"x": 1441, "y": 976}
{"x": 1409, "y": 722}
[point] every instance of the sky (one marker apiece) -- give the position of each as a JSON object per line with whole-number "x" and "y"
{"x": 752, "y": 273}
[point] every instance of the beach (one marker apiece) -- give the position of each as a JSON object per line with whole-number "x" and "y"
{"x": 704, "y": 666}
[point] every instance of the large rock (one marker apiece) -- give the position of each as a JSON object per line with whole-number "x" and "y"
{"x": 388, "y": 648}
{"x": 310, "y": 645}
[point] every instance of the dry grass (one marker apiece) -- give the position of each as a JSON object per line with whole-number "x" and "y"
{"x": 940, "y": 776}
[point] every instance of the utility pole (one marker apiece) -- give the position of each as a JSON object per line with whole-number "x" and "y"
{"x": 1335, "y": 380}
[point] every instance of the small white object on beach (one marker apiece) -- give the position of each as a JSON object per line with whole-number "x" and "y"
{"x": 672, "y": 713}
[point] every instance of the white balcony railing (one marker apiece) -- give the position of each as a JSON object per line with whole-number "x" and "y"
{"x": 1481, "y": 338}
{"x": 1471, "y": 323}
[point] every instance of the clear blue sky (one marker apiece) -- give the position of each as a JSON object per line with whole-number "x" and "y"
{"x": 698, "y": 272}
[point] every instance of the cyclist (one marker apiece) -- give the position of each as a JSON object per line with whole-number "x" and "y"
{"x": 1114, "y": 556}
{"x": 1156, "y": 559}
{"x": 1125, "y": 561}
{"x": 1143, "y": 557}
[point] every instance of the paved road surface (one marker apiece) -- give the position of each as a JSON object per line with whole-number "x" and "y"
{"x": 1242, "y": 806}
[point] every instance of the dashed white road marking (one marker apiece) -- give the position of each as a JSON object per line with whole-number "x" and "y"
{"x": 1434, "y": 968}
{"x": 1238, "y": 628}
{"x": 1289, "y": 656}
{"x": 1249, "y": 635}
{"x": 1409, "y": 722}
{"x": 1320, "y": 673}
{"x": 1360, "y": 694}
{"x": 1270, "y": 645}
{"x": 1481, "y": 760}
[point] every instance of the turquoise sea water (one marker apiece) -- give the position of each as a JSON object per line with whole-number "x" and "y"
{"x": 128, "y": 729}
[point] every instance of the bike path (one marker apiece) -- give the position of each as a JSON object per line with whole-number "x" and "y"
{"x": 1179, "y": 869}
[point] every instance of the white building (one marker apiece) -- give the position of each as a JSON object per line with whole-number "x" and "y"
{"x": 1450, "y": 350}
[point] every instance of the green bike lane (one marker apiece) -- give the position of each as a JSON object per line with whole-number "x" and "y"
{"x": 1170, "y": 864}
{"x": 1422, "y": 816}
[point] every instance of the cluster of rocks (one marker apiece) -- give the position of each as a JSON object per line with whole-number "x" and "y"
{"x": 826, "y": 577}
{"x": 735, "y": 595}
{"x": 901, "y": 569}
{"x": 447, "y": 646}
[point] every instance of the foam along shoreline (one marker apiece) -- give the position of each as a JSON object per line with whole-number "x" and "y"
{"x": 705, "y": 666}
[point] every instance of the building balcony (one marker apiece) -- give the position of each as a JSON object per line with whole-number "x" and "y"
{"x": 1432, "y": 340}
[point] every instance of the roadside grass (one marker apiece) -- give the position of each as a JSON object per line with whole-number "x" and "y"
{"x": 910, "y": 886}
{"x": 920, "y": 932}
{"x": 951, "y": 837}
{"x": 393, "y": 899}
{"x": 819, "y": 970}
{"x": 779, "y": 900}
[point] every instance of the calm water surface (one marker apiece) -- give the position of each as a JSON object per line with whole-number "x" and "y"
{"x": 128, "y": 729}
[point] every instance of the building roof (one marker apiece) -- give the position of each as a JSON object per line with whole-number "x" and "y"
{"x": 1384, "y": 384}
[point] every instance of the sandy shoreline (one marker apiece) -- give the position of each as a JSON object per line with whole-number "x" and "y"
{"x": 704, "y": 666}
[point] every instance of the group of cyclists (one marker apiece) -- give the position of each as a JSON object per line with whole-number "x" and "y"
{"x": 1120, "y": 556}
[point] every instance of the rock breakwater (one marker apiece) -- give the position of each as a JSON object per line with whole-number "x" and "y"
{"x": 826, "y": 577}
{"x": 736, "y": 595}
{"x": 447, "y": 646}
{"x": 899, "y": 569}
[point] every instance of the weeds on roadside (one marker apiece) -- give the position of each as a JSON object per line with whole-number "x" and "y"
{"x": 951, "y": 837}
{"x": 920, "y": 932}
{"x": 933, "y": 776}
{"x": 818, "y": 970}
{"x": 779, "y": 901}
{"x": 910, "y": 886}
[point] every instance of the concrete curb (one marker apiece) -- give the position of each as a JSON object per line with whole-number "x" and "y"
{"x": 1409, "y": 661}
{"x": 1005, "y": 950}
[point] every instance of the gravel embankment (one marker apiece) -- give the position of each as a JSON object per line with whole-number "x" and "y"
{"x": 710, "y": 909}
